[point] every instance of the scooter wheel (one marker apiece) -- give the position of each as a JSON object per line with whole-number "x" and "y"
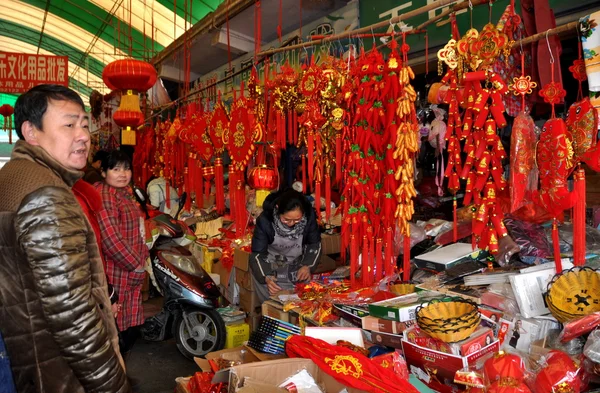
{"x": 207, "y": 333}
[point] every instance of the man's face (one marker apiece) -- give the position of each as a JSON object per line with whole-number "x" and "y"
{"x": 65, "y": 134}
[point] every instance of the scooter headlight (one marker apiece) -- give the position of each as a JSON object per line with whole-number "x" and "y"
{"x": 184, "y": 263}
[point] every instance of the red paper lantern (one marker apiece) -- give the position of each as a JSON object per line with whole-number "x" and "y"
{"x": 263, "y": 179}
{"x": 504, "y": 365}
{"x": 508, "y": 385}
{"x": 7, "y": 111}
{"x": 561, "y": 375}
{"x": 129, "y": 74}
{"x": 131, "y": 119}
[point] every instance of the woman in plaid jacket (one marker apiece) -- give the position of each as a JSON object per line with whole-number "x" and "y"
{"x": 123, "y": 245}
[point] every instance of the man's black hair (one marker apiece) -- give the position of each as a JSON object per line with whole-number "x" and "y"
{"x": 100, "y": 155}
{"x": 32, "y": 105}
{"x": 116, "y": 158}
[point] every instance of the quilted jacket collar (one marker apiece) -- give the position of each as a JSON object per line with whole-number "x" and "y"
{"x": 25, "y": 151}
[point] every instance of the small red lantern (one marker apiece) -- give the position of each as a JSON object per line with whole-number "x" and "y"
{"x": 263, "y": 179}
{"x": 504, "y": 365}
{"x": 7, "y": 111}
{"x": 130, "y": 76}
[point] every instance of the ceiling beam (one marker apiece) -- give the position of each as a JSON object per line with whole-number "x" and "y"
{"x": 210, "y": 22}
{"x": 43, "y": 26}
{"x": 239, "y": 43}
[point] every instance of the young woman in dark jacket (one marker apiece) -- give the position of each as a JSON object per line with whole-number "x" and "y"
{"x": 286, "y": 246}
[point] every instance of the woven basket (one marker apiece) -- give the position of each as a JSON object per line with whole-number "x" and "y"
{"x": 402, "y": 288}
{"x": 574, "y": 293}
{"x": 450, "y": 320}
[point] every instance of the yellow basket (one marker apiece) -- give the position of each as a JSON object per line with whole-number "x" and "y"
{"x": 574, "y": 293}
{"x": 449, "y": 319}
{"x": 402, "y": 288}
{"x": 452, "y": 335}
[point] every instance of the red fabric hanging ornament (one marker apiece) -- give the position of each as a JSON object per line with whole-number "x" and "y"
{"x": 239, "y": 138}
{"x": 218, "y": 124}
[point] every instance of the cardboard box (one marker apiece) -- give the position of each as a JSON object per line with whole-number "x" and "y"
{"x": 401, "y": 308}
{"x": 241, "y": 354}
{"x": 277, "y": 371}
{"x": 389, "y": 340}
{"x": 249, "y": 301}
{"x": 223, "y": 273}
{"x": 352, "y": 314}
{"x": 253, "y": 320}
{"x": 384, "y": 325}
{"x": 331, "y": 244}
{"x": 326, "y": 264}
{"x": 244, "y": 279}
{"x": 181, "y": 384}
{"x": 448, "y": 256}
{"x": 444, "y": 365}
{"x": 275, "y": 310}
{"x": 241, "y": 259}
{"x": 236, "y": 335}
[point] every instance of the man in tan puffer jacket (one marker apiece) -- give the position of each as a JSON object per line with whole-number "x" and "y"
{"x": 55, "y": 314}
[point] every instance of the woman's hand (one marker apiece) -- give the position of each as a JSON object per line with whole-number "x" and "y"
{"x": 272, "y": 285}
{"x": 303, "y": 273}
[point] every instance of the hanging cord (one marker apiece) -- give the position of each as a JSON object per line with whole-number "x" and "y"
{"x": 580, "y": 57}
{"x": 471, "y": 12}
{"x": 228, "y": 35}
{"x": 551, "y": 67}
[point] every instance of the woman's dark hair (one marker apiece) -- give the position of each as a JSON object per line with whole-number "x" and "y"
{"x": 114, "y": 159}
{"x": 290, "y": 200}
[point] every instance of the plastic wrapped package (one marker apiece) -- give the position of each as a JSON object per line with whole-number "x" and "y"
{"x": 504, "y": 365}
{"x": 592, "y": 347}
{"x": 417, "y": 235}
{"x": 301, "y": 382}
{"x": 533, "y": 243}
{"x": 565, "y": 233}
{"x": 435, "y": 226}
{"x": 523, "y": 171}
{"x": 559, "y": 373}
{"x": 579, "y": 327}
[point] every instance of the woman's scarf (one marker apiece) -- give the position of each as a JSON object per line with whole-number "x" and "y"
{"x": 288, "y": 232}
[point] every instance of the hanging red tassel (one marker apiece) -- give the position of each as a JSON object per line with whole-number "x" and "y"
{"x": 295, "y": 126}
{"x": 473, "y": 236}
{"x": 374, "y": 272}
{"x": 318, "y": 199}
{"x": 219, "y": 186}
{"x": 455, "y": 218}
{"x": 406, "y": 258}
{"x": 556, "y": 246}
{"x": 188, "y": 182}
{"x": 311, "y": 156}
{"x": 199, "y": 183}
{"x": 290, "y": 127}
{"x": 327, "y": 197}
{"x": 168, "y": 194}
{"x": 579, "y": 242}
{"x": 304, "y": 185}
{"x": 353, "y": 260}
{"x": 379, "y": 259}
{"x": 389, "y": 253}
{"x": 365, "y": 262}
{"x": 338, "y": 159}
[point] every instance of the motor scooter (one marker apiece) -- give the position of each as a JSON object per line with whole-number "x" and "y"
{"x": 190, "y": 295}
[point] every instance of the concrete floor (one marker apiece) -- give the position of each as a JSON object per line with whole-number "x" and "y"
{"x": 156, "y": 364}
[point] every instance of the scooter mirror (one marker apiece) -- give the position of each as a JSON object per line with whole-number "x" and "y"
{"x": 140, "y": 195}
